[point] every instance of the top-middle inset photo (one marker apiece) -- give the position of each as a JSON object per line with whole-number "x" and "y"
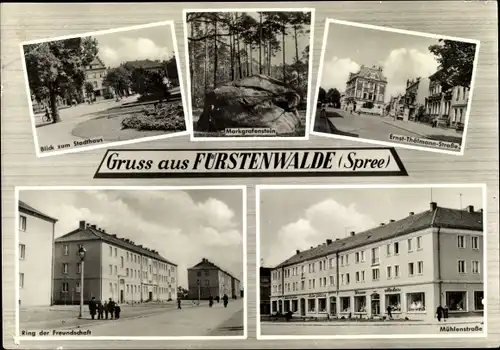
{"x": 249, "y": 73}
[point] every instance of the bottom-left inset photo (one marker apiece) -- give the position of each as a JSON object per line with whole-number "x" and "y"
{"x": 126, "y": 262}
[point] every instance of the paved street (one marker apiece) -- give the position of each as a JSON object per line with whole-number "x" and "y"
{"x": 372, "y": 328}
{"x": 378, "y": 128}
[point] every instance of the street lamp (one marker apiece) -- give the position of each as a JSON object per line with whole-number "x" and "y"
{"x": 81, "y": 253}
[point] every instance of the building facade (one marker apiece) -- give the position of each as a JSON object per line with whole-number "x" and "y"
{"x": 206, "y": 279}
{"x": 95, "y": 73}
{"x": 459, "y": 101}
{"x": 415, "y": 95}
{"x": 365, "y": 91}
{"x": 412, "y": 265}
{"x": 113, "y": 268}
{"x": 36, "y": 251}
{"x": 265, "y": 290}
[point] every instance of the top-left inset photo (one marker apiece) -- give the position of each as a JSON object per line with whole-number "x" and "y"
{"x": 106, "y": 88}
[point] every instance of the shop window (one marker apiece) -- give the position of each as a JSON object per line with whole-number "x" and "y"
{"x": 274, "y": 305}
{"x": 311, "y": 305}
{"x": 286, "y": 306}
{"x": 345, "y": 304}
{"x": 456, "y": 301}
{"x": 322, "y": 305}
{"x": 478, "y": 300}
{"x": 415, "y": 302}
{"x": 333, "y": 306}
{"x": 394, "y": 301}
{"x": 295, "y": 305}
{"x": 360, "y": 304}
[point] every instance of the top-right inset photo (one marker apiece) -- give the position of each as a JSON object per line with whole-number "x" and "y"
{"x": 394, "y": 87}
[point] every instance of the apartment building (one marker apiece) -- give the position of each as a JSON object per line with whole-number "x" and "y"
{"x": 459, "y": 101}
{"x": 206, "y": 279}
{"x": 365, "y": 90}
{"x": 412, "y": 265}
{"x": 114, "y": 267}
{"x": 265, "y": 290}
{"x": 36, "y": 237}
{"x": 415, "y": 94}
{"x": 95, "y": 73}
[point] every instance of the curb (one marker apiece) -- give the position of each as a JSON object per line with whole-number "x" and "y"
{"x": 399, "y": 127}
{"x": 357, "y": 324}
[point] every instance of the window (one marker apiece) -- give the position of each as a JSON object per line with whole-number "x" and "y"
{"x": 126, "y": 271}
{"x": 331, "y": 264}
{"x": 475, "y": 242}
{"x": 394, "y": 301}
{"x": 311, "y": 305}
{"x": 415, "y": 302}
{"x": 207, "y": 283}
{"x": 65, "y": 249}
{"x": 342, "y": 260}
{"x": 389, "y": 272}
{"x": 110, "y": 269}
{"x": 396, "y": 248}
{"x": 420, "y": 267}
{"x": 342, "y": 279}
{"x": 410, "y": 248}
{"x": 345, "y": 304}
{"x": 456, "y": 301}
{"x": 324, "y": 281}
{"x": 357, "y": 257}
{"x": 64, "y": 287}
{"x": 333, "y": 305}
{"x": 411, "y": 269}
{"x": 478, "y": 300}
{"x": 475, "y": 267}
{"x": 310, "y": 284}
{"x": 22, "y": 222}
{"x": 375, "y": 256}
{"x": 121, "y": 261}
{"x": 116, "y": 252}
{"x": 396, "y": 271}
{"x": 322, "y": 305}
{"x": 65, "y": 268}
{"x": 110, "y": 251}
{"x": 21, "y": 280}
{"x": 116, "y": 270}
{"x": 79, "y": 267}
{"x": 375, "y": 274}
{"x": 360, "y": 304}
{"x": 362, "y": 276}
{"x": 95, "y": 83}
{"x": 347, "y": 259}
{"x": 362, "y": 256}
{"x": 461, "y": 241}
{"x": 303, "y": 285}
{"x": 314, "y": 283}
{"x": 22, "y": 251}
{"x": 332, "y": 280}
{"x": 347, "y": 279}
{"x": 77, "y": 288}
{"x": 320, "y": 265}
{"x": 461, "y": 266}
{"x": 419, "y": 242}
{"x": 357, "y": 276}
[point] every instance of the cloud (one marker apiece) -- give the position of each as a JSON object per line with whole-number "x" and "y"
{"x": 336, "y": 72}
{"x": 402, "y": 64}
{"x": 326, "y": 219}
{"x": 132, "y": 49}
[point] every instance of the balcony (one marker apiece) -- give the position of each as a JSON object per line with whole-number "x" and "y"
{"x": 375, "y": 261}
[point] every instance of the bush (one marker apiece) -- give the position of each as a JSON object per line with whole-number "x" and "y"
{"x": 368, "y": 105}
{"x": 107, "y": 94}
{"x": 170, "y": 117}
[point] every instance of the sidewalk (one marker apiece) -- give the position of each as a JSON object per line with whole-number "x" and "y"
{"x": 423, "y": 130}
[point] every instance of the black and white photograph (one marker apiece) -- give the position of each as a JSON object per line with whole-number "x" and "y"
{"x": 371, "y": 261}
{"x": 106, "y": 88}
{"x": 127, "y": 262}
{"x": 249, "y": 72}
{"x": 395, "y": 87}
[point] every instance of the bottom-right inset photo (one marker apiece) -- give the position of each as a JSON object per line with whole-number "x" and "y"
{"x": 371, "y": 261}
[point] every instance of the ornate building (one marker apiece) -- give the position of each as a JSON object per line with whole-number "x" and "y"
{"x": 415, "y": 95}
{"x": 365, "y": 90}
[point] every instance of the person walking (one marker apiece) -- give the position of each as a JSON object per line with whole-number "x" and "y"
{"x": 92, "y": 307}
{"x": 106, "y": 310}
{"x": 210, "y": 301}
{"x": 100, "y": 310}
{"x": 225, "y": 298}
{"x": 179, "y": 303}
{"x": 117, "y": 310}
{"x": 217, "y": 299}
{"x": 439, "y": 313}
{"x": 389, "y": 311}
{"x": 111, "y": 307}
{"x": 445, "y": 312}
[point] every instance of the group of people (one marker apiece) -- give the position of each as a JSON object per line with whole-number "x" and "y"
{"x": 109, "y": 309}
{"x": 225, "y": 300}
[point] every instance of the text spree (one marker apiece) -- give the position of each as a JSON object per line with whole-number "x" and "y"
{"x": 75, "y": 143}
{"x": 247, "y": 161}
{"x": 55, "y": 332}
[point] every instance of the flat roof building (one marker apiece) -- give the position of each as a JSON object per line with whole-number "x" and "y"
{"x": 411, "y": 265}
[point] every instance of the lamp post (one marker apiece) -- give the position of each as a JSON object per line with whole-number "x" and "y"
{"x": 199, "y": 292}
{"x": 82, "y": 253}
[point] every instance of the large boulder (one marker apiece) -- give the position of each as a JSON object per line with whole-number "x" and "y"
{"x": 257, "y": 101}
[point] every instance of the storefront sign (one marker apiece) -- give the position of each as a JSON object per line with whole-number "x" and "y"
{"x": 359, "y": 292}
{"x": 289, "y": 297}
{"x": 392, "y": 290}
{"x": 317, "y": 295}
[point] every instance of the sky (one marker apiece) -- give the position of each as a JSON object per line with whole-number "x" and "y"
{"x": 402, "y": 56}
{"x": 147, "y": 43}
{"x": 301, "y": 218}
{"x": 183, "y": 226}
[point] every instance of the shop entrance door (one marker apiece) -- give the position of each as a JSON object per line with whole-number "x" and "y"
{"x": 302, "y": 307}
{"x": 375, "y": 304}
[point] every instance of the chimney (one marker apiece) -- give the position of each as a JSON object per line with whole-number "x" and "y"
{"x": 328, "y": 241}
{"x": 114, "y": 236}
{"x": 481, "y": 210}
{"x": 412, "y": 213}
{"x": 297, "y": 251}
{"x": 93, "y": 226}
{"x": 382, "y": 224}
{"x": 392, "y": 220}
{"x": 140, "y": 245}
{"x": 470, "y": 208}
{"x": 82, "y": 225}
{"x": 103, "y": 231}
{"x": 352, "y": 233}
{"x": 433, "y": 206}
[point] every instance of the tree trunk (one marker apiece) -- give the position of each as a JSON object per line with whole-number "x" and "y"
{"x": 283, "y": 45}
{"x": 215, "y": 53}
{"x": 269, "y": 56}
{"x": 56, "y": 118}
{"x": 260, "y": 43}
{"x": 247, "y": 57}
{"x": 239, "y": 55}
{"x": 192, "y": 63}
{"x": 231, "y": 53}
{"x": 206, "y": 58}
{"x": 296, "y": 44}
{"x": 251, "y": 60}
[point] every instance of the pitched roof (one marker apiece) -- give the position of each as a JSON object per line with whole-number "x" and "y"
{"x": 93, "y": 233}
{"x": 97, "y": 61}
{"x": 439, "y": 217}
{"x": 370, "y": 73}
{"x": 206, "y": 264}
{"x": 30, "y": 210}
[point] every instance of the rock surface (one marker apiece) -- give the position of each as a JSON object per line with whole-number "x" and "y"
{"x": 257, "y": 101}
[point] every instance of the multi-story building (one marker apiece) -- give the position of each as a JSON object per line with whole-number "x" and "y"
{"x": 459, "y": 101}
{"x": 366, "y": 89}
{"x": 95, "y": 73}
{"x": 265, "y": 290}
{"x": 36, "y": 237}
{"x": 114, "y": 267}
{"x": 206, "y": 279}
{"x": 416, "y": 92}
{"x": 397, "y": 106}
{"x": 412, "y": 265}
{"x": 438, "y": 101}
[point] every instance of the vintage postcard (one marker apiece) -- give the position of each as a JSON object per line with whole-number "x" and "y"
{"x": 249, "y": 72}
{"x": 106, "y": 88}
{"x": 371, "y": 261}
{"x": 395, "y": 87}
{"x": 125, "y": 263}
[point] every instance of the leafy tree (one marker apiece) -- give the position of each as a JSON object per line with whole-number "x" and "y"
{"x": 118, "y": 79}
{"x": 321, "y": 95}
{"x": 89, "y": 89}
{"x": 333, "y": 95}
{"x": 456, "y": 60}
{"x": 58, "y": 68}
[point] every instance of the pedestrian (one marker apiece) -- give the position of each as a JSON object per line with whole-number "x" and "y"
{"x": 225, "y": 298}
{"x": 111, "y": 307}
{"x": 100, "y": 310}
{"x": 445, "y": 312}
{"x": 389, "y": 311}
{"x": 179, "y": 303}
{"x": 439, "y": 313}
{"x": 106, "y": 310}
{"x": 210, "y": 301}
{"x": 92, "y": 307}
{"x": 217, "y": 299}
{"x": 117, "y": 310}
